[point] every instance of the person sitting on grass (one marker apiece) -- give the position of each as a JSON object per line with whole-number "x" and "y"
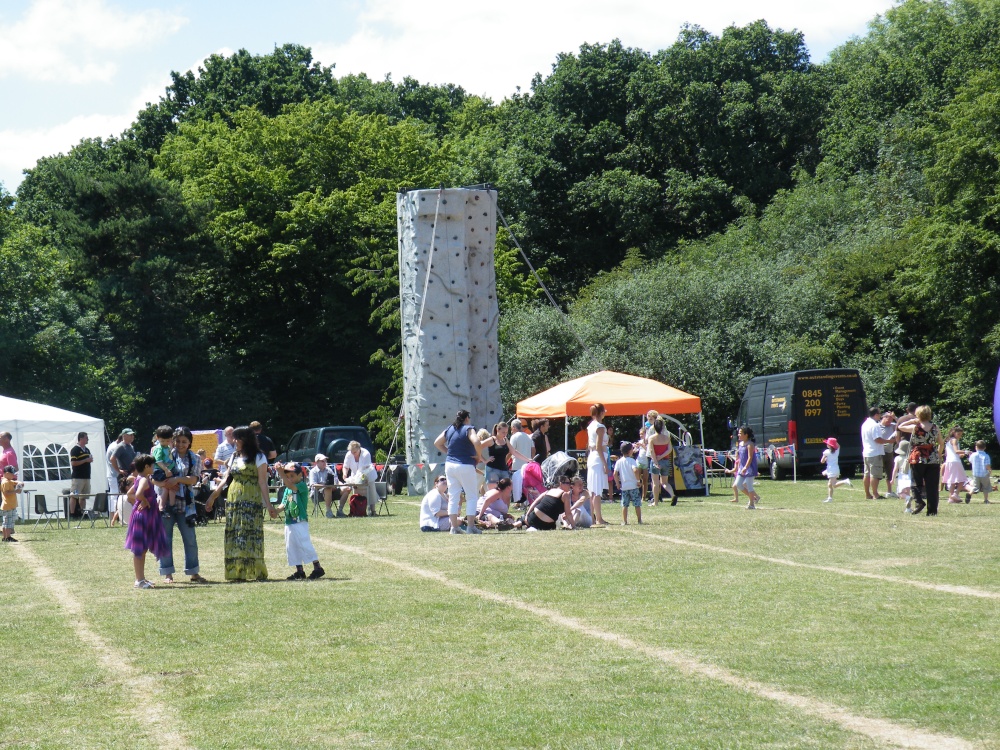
{"x": 546, "y": 509}
{"x": 295, "y": 502}
{"x": 10, "y": 488}
{"x": 581, "y": 504}
{"x": 627, "y": 481}
{"x": 494, "y": 507}
{"x": 434, "y": 507}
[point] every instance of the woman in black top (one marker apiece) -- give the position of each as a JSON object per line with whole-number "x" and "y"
{"x": 544, "y": 512}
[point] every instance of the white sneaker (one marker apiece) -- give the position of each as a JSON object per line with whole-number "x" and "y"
{"x": 828, "y": 500}
{"x": 892, "y": 495}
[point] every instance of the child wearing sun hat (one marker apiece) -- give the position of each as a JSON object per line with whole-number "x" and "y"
{"x": 831, "y": 458}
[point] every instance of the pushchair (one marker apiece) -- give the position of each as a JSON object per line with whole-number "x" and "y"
{"x": 556, "y": 465}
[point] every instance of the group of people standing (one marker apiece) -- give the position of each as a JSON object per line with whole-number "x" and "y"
{"x": 161, "y": 494}
{"x": 928, "y": 461}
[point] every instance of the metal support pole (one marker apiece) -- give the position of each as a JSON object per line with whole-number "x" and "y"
{"x": 704, "y": 467}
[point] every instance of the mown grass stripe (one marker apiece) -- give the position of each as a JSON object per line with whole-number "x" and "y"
{"x": 880, "y": 730}
{"x": 150, "y": 706}
{"x": 943, "y": 588}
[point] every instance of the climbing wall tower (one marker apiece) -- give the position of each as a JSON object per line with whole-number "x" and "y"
{"x": 448, "y": 311}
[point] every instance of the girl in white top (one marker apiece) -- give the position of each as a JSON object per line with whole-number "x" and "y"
{"x": 953, "y": 474}
{"x": 901, "y": 474}
{"x": 831, "y": 458}
{"x": 597, "y": 462}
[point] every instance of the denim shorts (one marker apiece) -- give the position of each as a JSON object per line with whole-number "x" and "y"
{"x": 495, "y": 475}
{"x": 663, "y": 467}
{"x": 632, "y": 496}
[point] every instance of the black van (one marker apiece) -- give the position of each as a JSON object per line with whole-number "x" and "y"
{"x": 802, "y": 409}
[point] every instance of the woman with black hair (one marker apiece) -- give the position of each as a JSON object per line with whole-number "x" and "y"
{"x": 462, "y": 448}
{"x": 187, "y": 469}
{"x": 746, "y": 466}
{"x": 543, "y": 514}
{"x": 247, "y": 499}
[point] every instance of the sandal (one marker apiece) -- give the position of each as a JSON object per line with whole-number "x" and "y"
{"x": 198, "y": 579}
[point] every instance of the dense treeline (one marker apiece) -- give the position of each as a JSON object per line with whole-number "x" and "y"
{"x": 716, "y": 210}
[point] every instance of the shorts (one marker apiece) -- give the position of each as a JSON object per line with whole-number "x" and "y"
{"x": 298, "y": 547}
{"x": 495, "y": 475}
{"x": 8, "y": 516}
{"x": 631, "y": 496}
{"x": 661, "y": 467}
{"x": 79, "y": 486}
{"x": 535, "y": 522}
{"x": 829, "y": 475}
{"x": 873, "y": 467}
{"x": 981, "y": 484}
{"x": 743, "y": 483}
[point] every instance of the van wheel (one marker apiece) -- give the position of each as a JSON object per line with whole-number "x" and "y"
{"x": 777, "y": 473}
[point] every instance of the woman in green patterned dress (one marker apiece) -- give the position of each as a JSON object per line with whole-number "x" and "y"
{"x": 245, "y": 504}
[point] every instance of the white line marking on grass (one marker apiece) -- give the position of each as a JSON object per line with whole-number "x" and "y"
{"x": 880, "y": 730}
{"x": 939, "y": 587}
{"x": 833, "y": 513}
{"x": 150, "y": 706}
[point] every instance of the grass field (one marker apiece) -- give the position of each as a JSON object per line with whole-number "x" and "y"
{"x": 800, "y": 625}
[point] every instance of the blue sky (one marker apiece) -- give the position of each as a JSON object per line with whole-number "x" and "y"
{"x": 71, "y": 69}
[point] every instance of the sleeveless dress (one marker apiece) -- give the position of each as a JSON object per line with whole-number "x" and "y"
{"x": 952, "y": 471}
{"x": 597, "y": 477}
{"x": 145, "y": 528}
{"x": 244, "y": 536}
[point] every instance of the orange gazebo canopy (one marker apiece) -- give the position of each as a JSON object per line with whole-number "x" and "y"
{"x": 621, "y": 394}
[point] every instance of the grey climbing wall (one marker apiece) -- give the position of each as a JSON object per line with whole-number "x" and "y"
{"x": 449, "y": 335}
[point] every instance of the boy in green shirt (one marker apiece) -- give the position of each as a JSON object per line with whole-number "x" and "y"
{"x": 295, "y": 502}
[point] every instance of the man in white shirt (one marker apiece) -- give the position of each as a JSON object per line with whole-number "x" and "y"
{"x": 873, "y": 438}
{"x": 225, "y": 450}
{"x": 321, "y": 479}
{"x": 434, "y": 507}
{"x": 520, "y": 441}
{"x": 357, "y": 466}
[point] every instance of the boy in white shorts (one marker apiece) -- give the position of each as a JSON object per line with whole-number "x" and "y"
{"x": 980, "y": 461}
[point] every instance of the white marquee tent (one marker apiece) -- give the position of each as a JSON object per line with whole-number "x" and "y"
{"x": 43, "y": 436}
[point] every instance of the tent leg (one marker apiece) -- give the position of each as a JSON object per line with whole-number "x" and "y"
{"x": 704, "y": 466}
{"x": 566, "y": 433}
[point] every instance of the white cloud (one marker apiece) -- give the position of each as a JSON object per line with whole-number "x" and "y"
{"x": 20, "y": 149}
{"x": 491, "y": 50}
{"x": 77, "y": 41}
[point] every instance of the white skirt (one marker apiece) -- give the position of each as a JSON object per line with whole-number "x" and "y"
{"x": 597, "y": 478}
{"x": 298, "y": 546}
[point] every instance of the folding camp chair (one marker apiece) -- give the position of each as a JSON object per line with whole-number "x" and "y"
{"x": 383, "y": 492}
{"x": 100, "y": 510}
{"x": 42, "y": 511}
